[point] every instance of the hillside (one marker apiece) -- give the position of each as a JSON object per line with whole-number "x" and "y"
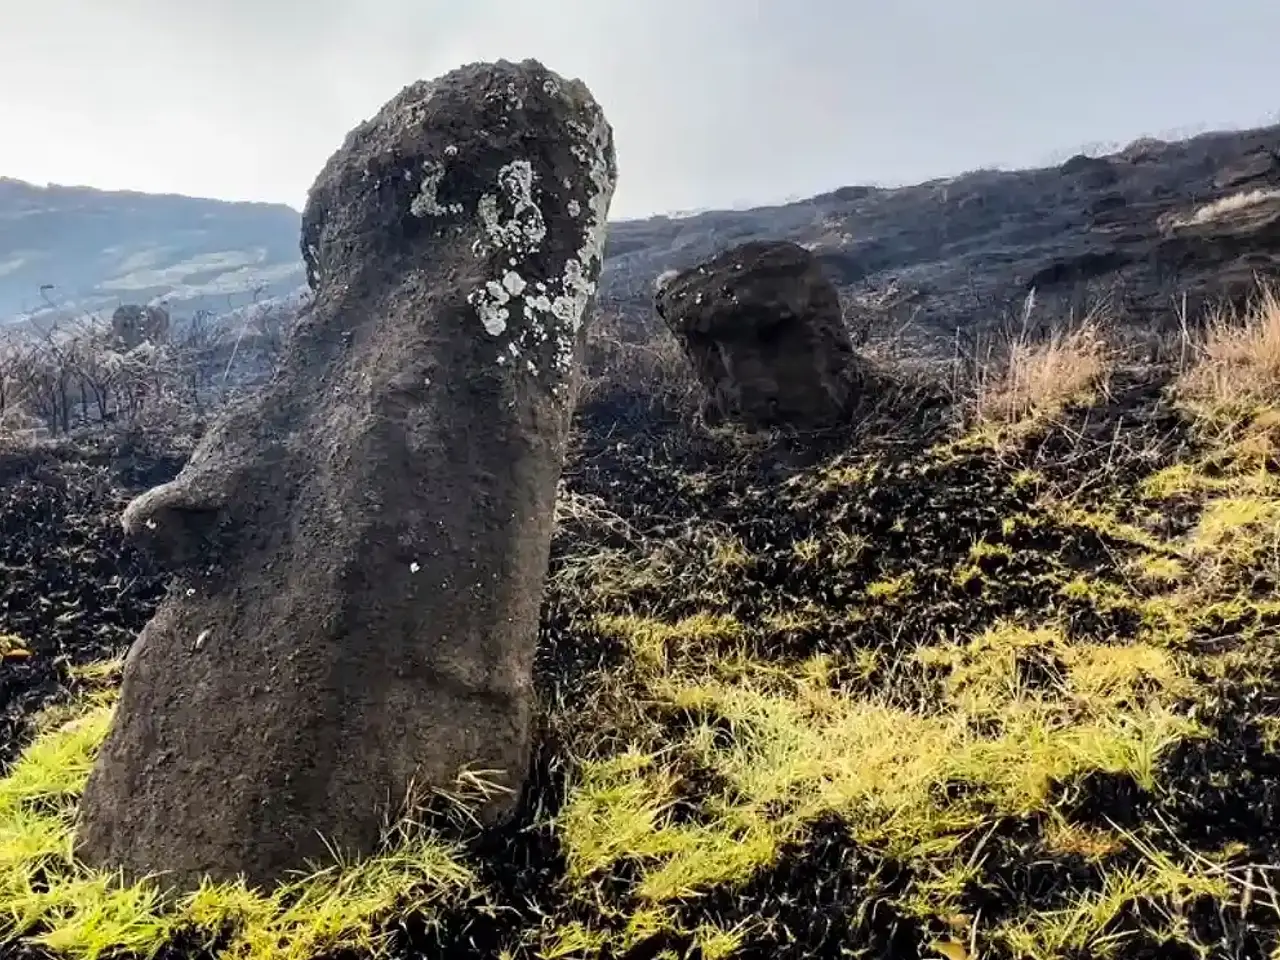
{"x": 1139, "y": 226}
{"x": 988, "y": 679}
{"x": 99, "y": 249}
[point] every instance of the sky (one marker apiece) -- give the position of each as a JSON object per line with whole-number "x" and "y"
{"x": 714, "y": 103}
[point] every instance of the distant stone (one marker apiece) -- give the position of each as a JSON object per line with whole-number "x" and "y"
{"x": 131, "y": 325}
{"x": 762, "y": 326}
{"x": 1091, "y": 172}
{"x": 359, "y": 550}
{"x": 1143, "y": 150}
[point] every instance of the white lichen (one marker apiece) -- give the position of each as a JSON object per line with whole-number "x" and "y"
{"x": 592, "y": 152}
{"x": 427, "y": 202}
{"x": 511, "y": 222}
{"x": 513, "y": 283}
{"x": 570, "y": 305}
{"x": 524, "y": 229}
{"x": 490, "y": 304}
{"x": 313, "y": 255}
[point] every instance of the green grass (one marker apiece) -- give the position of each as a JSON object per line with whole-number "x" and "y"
{"x": 85, "y": 914}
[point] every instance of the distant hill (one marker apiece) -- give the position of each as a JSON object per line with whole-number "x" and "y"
{"x": 100, "y": 248}
{"x": 1144, "y": 226}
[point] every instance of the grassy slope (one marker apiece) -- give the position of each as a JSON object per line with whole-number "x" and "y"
{"x": 1007, "y": 693}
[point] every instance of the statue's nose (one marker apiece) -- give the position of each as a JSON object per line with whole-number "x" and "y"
{"x": 173, "y": 524}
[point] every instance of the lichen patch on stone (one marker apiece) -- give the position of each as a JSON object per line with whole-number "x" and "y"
{"x": 524, "y": 228}
{"x": 491, "y": 307}
{"x": 592, "y": 152}
{"x": 513, "y": 283}
{"x": 512, "y": 222}
{"x": 427, "y": 201}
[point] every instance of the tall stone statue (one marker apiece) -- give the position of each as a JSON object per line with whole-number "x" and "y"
{"x": 359, "y": 550}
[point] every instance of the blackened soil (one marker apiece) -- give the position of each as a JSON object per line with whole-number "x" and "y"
{"x": 915, "y": 518}
{"x": 1225, "y": 789}
{"x": 70, "y": 587}
{"x": 822, "y": 897}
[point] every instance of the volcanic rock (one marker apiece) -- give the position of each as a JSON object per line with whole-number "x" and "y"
{"x": 762, "y": 326}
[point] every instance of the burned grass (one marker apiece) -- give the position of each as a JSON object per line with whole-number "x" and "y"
{"x": 892, "y": 694}
{"x": 71, "y": 592}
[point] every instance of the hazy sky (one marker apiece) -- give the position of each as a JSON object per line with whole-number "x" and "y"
{"x": 713, "y": 102}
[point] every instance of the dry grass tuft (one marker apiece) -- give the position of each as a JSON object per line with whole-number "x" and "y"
{"x": 1234, "y": 379}
{"x": 1034, "y": 380}
{"x": 1225, "y": 206}
{"x": 623, "y": 358}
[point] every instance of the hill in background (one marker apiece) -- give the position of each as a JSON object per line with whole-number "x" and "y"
{"x": 100, "y": 249}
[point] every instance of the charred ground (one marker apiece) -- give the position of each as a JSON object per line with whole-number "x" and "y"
{"x": 942, "y": 685}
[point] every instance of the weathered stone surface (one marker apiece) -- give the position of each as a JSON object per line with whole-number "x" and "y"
{"x": 762, "y": 326}
{"x": 132, "y": 324}
{"x": 360, "y": 549}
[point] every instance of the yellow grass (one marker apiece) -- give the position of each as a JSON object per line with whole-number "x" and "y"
{"x": 84, "y": 914}
{"x": 1234, "y": 380}
{"x": 1035, "y": 380}
{"x": 791, "y": 747}
{"x": 1010, "y": 710}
